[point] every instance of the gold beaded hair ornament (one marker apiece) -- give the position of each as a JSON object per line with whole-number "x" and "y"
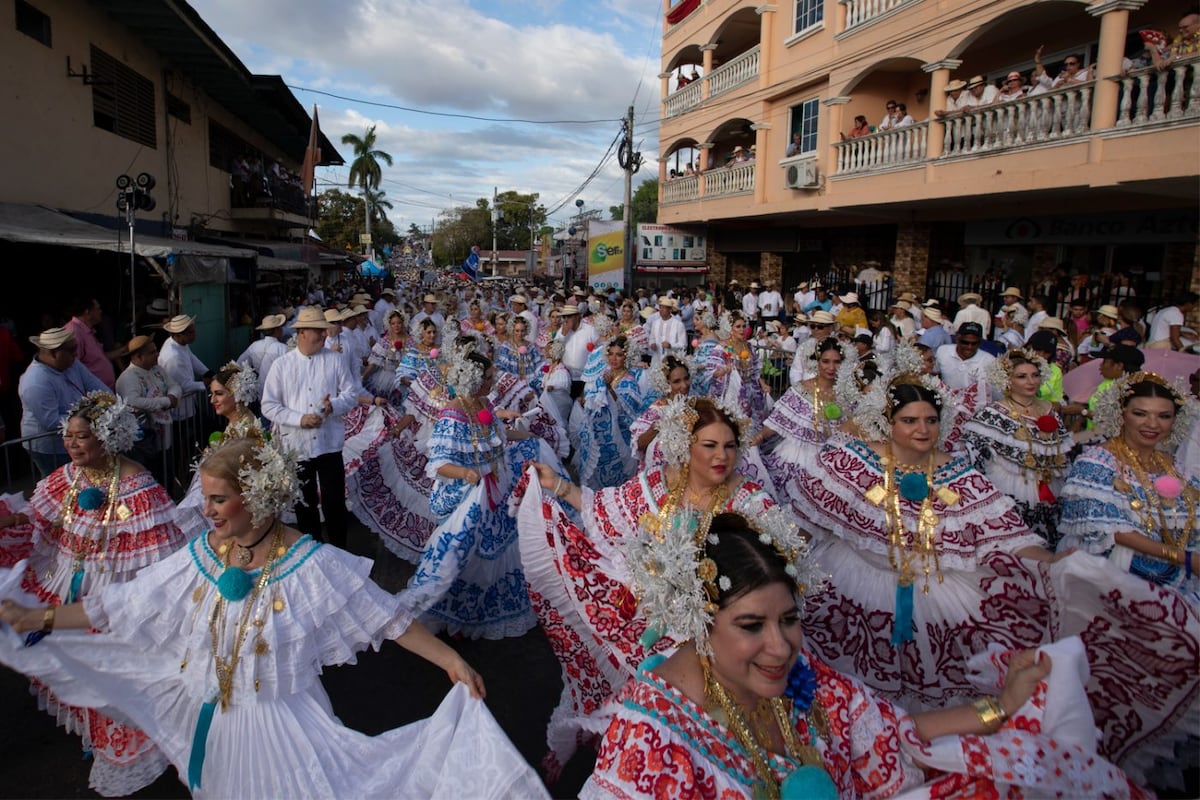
{"x": 678, "y": 586}
{"x": 112, "y": 422}
{"x": 1106, "y": 412}
{"x": 999, "y": 371}
{"x": 874, "y": 411}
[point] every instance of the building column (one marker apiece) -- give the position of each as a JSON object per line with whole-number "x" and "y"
{"x": 707, "y": 56}
{"x": 1114, "y": 24}
{"x": 762, "y": 144}
{"x": 770, "y": 269}
{"x": 702, "y": 167}
{"x": 836, "y": 106}
{"x": 662, "y": 177}
{"x": 766, "y": 43}
{"x": 939, "y": 77}
{"x": 911, "y": 268}
{"x": 666, "y": 10}
{"x": 842, "y": 16}
{"x": 665, "y": 88}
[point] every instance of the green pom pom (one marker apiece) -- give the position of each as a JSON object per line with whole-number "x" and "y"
{"x": 216, "y": 437}
{"x": 833, "y": 412}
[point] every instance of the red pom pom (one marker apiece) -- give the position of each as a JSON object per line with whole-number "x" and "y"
{"x": 398, "y": 344}
{"x": 1047, "y": 423}
{"x": 591, "y": 346}
{"x": 485, "y": 417}
{"x": 1044, "y": 493}
{"x": 545, "y": 367}
{"x": 628, "y": 606}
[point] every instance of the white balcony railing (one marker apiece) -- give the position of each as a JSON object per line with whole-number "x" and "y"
{"x": 862, "y": 11}
{"x": 1149, "y": 96}
{"x": 1061, "y": 115}
{"x": 735, "y": 179}
{"x": 895, "y": 147}
{"x": 683, "y": 100}
{"x": 681, "y": 190}
{"x": 732, "y": 75}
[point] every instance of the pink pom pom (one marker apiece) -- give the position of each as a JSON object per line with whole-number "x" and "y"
{"x": 522, "y": 349}
{"x": 1168, "y": 487}
{"x": 434, "y": 353}
{"x": 485, "y": 417}
{"x": 695, "y": 343}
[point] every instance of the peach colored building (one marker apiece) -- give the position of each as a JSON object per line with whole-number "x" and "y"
{"x": 1096, "y": 174}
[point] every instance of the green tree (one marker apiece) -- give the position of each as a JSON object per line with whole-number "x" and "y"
{"x": 340, "y": 218}
{"x": 365, "y": 171}
{"x": 458, "y": 229}
{"x": 645, "y": 203}
{"x": 514, "y": 226}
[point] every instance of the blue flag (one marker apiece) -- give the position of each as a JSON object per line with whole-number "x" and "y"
{"x": 470, "y": 267}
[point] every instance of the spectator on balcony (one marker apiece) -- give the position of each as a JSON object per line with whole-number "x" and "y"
{"x": 1187, "y": 43}
{"x": 752, "y": 152}
{"x": 1072, "y": 72}
{"x": 681, "y": 80}
{"x": 796, "y": 147}
{"x": 861, "y": 128}
{"x": 956, "y": 98}
{"x": 689, "y": 170}
{"x": 980, "y": 92}
{"x": 1014, "y": 88}
{"x": 905, "y": 117}
{"x": 891, "y": 118}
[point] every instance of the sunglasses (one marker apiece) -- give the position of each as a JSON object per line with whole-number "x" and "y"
{"x": 1070, "y": 63}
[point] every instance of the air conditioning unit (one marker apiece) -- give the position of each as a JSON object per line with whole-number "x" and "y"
{"x": 803, "y": 175}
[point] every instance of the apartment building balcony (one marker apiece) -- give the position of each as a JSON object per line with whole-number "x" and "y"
{"x": 731, "y": 181}
{"x": 737, "y": 72}
{"x": 683, "y": 100}
{"x": 860, "y": 13}
{"x": 895, "y": 147}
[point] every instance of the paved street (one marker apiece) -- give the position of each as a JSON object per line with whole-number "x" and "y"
{"x": 383, "y": 690}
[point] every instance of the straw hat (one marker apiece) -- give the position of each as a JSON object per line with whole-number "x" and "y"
{"x": 158, "y": 307}
{"x": 956, "y": 85}
{"x": 391, "y": 292}
{"x": 1052, "y": 324}
{"x": 976, "y": 80}
{"x": 1012, "y": 291}
{"x": 970, "y": 297}
{"x": 52, "y": 338}
{"x": 519, "y": 298}
{"x": 311, "y": 317}
{"x": 333, "y": 315}
{"x": 849, "y": 297}
{"x": 178, "y": 324}
{"x": 669, "y": 302}
{"x": 803, "y": 287}
{"x": 933, "y": 315}
{"x": 901, "y": 304}
{"x": 429, "y": 298}
{"x": 821, "y": 317}
{"x": 1109, "y": 311}
{"x": 754, "y": 285}
{"x": 568, "y": 311}
{"x": 646, "y": 313}
{"x": 908, "y": 297}
{"x": 271, "y": 321}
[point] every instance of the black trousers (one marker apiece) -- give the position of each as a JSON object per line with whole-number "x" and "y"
{"x": 323, "y": 479}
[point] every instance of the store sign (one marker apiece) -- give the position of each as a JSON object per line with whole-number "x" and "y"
{"x": 1127, "y": 228}
{"x": 664, "y": 246}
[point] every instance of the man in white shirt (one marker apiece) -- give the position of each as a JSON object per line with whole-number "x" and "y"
{"x": 1166, "y": 331}
{"x": 1012, "y": 296}
{"x": 969, "y": 311}
{"x": 262, "y": 353}
{"x": 750, "y": 304}
{"x": 145, "y": 387}
{"x": 1072, "y": 72}
{"x": 182, "y": 366}
{"x": 770, "y": 303}
{"x": 803, "y": 296}
{"x": 520, "y": 308}
{"x": 429, "y": 310}
{"x": 956, "y": 98}
{"x": 306, "y": 397}
{"x": 1038, "y": 314}
{"x": 576, "y": 338}
{"x": 902, "y": 321}
{"x": 383, "y": 306}
{"x": 962, "y": 363}
{"x": 665, "y": 332}
{"x": 980, "y": 92}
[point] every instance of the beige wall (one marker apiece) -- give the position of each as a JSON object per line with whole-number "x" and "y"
{"x": 55, "y": 155}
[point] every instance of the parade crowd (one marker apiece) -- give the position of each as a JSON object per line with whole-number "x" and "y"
{"x": 781, "y": 546}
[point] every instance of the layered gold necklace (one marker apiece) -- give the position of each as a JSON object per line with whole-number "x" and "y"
{"x": 83, "y": 546}
{"x": 1039, "y": 468}
{"x": 753, "y": 733}
{"x": 1153, "y": 510}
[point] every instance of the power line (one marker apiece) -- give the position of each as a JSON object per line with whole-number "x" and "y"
{"x": 361, "y": 101}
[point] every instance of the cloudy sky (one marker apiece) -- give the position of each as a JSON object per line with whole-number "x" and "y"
{"x": 544, "y": 60}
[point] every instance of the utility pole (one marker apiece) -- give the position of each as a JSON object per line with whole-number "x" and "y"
{"x": 630, "y": 162}
{"x": 495, "y": 224}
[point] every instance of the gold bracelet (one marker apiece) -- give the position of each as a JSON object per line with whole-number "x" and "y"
{"x": 566, "y": 489}
{"x": 991, "y": 714}
{"x": 48, "y": 618}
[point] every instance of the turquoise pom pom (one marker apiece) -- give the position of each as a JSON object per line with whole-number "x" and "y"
{"x": 451, "y": 393}
{"x": 809, "y": 782}
{"x": 234, "y": 584}
{"x": 651, "y": 662}
{"x": 91, "y": 498}
{"x": 649, "y": 637}
{"x": 833, "y": 412}
{"x": 914, "y": 487}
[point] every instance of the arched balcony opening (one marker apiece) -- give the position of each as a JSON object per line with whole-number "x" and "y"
{"x": 735, "y": 56}
{"x": 681, "y": 171}
{"x": 885, "y": 124}
{"x": 684, "y": 86}
{"x": 731, "y": 159}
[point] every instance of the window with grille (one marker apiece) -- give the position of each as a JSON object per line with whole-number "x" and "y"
{"x": 122, "y": 100}
{"x": 804, "y": 122}
{"x": 809, "y": 14}
{"x": 33, "y": 22}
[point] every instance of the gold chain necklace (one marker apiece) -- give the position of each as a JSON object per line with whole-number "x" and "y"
{"x": 755, "y": 743}
{"x": 82, "y": 546}
{"x": 1152, "y": 507}
{"x": 904, "y": 554}
{"x": 226, "y": 667}
{"x": 1041, "y": 469}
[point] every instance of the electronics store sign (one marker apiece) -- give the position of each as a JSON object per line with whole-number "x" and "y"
{"x": 1157, "y": 226}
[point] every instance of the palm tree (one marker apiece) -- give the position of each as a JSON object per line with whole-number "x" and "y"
{"x": 365, "y": 170}
{"x": 376, "y": 200}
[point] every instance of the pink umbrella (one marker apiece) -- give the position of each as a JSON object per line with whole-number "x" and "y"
{"x": 1081, "y": 382}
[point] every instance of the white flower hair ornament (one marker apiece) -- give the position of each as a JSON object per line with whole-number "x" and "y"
{"x": 604, "y": 326}
{"x": 678, "y": 586}
{"x": 873, "y": 415}
{"x": 243, "y": 383}
{"x": 660, "y": 372}
{"x": 906, "y": 357}
{"x": 463, "y": 375}
{"x": 678, "y": 418}
{"x": 846, "y": 391}
{"x": 1106, "y": 411}
{"x": 999, "y": 370}
{"x": 112, "y": 422}
{"x": 708, "y": 320}
{"x": 270, "y": 481}
{"x": 725, "y": 325}
{"x": 556, "y": 348}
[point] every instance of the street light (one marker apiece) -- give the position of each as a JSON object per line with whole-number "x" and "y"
{"x": 133, "y": 195}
